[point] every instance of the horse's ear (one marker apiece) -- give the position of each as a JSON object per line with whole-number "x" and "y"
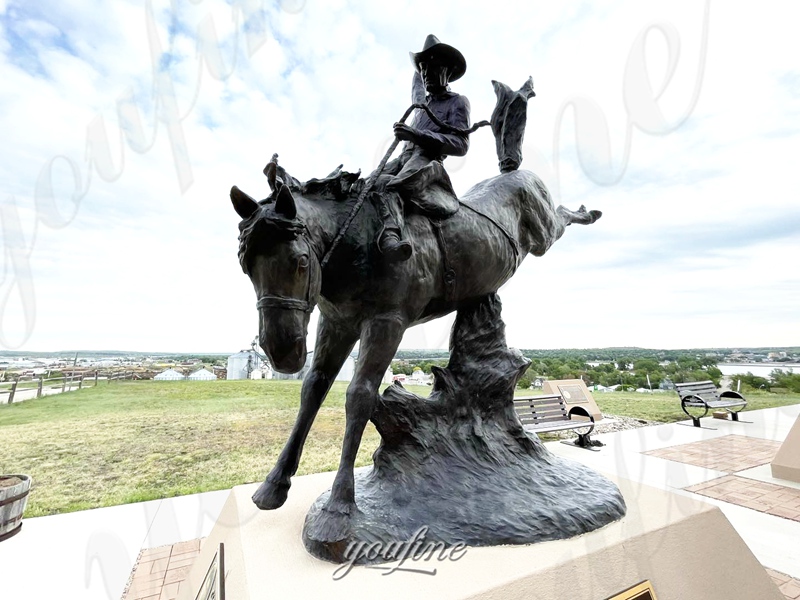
{"x": 499, "y": 88}
{"x": 284, "y": 204}
{"x": 243, "y": 204}
{"x": 527, "y": 88}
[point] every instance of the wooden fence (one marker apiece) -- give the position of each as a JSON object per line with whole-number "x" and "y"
{"x": 56, "y": 385}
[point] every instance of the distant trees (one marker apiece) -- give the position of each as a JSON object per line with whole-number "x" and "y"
{"x": 785, "y": 379}
{"x": 628, "y": 367}
{"x": 750, "y": 382}
{"x": 525, "y": 381}
{"x": 407, "y": 367}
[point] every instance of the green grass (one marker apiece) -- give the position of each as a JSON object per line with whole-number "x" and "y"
{"x": 130, "y": 441}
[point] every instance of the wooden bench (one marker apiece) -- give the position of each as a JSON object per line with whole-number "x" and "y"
{"x": 704, "y": 394}
{"x": 546, "y": 414}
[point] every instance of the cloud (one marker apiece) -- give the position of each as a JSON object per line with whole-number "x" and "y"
{"x": 698, "y": 224}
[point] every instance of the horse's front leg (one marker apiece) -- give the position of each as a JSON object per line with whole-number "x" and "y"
{"x": 334, "y": 344}
{"x": 380, "y": 338}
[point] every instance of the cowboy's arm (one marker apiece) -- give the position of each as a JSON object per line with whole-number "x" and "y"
{"x": 437, "y": 143}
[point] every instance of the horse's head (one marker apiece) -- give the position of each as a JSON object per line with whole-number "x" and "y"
{"x": 276, "y": 254}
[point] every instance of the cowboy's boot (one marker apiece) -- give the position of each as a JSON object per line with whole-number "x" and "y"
{"x": 390, "y": 240}
{"x": 393, "y": 247}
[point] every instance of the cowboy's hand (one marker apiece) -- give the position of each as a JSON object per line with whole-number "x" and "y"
{"x": 405, "y": 133}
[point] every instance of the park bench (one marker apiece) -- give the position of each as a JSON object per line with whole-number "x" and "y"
{"x": 547, "y": 414}
{"x": 704, "y": 394}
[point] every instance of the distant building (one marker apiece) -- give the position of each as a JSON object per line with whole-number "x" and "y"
{"x": 242, "y": 364}
{"x": 169, "y": 375}
{"x": 345, "y": 373}
{"x": 202, "y": 375}
{"x": 418, "y": 377}
{"x": 348, "y": 370}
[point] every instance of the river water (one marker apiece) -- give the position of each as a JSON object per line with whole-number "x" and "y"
{"x": 758, "y": 369}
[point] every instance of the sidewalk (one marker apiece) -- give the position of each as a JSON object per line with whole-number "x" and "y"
{"x": 90, "y": 554}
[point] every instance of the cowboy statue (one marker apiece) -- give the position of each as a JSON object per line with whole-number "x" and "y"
{"x": 417, "y": 175}
{"x": 310, "y": 245}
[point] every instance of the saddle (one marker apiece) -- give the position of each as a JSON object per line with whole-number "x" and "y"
{"x": 430, "y": 191}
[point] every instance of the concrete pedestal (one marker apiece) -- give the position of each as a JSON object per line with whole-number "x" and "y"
{"x": 786, "y": 464}
{"x": 686, "y": 548}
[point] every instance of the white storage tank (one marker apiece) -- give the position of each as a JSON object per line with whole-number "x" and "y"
{"x": 242, "y": 364}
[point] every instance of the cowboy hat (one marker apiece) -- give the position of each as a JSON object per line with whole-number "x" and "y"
{"x": 447, "y": 55}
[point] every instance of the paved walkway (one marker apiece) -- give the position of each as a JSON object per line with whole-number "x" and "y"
{"x": 92, "y": 554}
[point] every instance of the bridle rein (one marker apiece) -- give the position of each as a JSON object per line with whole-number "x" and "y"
{"x": 289, "y": 303}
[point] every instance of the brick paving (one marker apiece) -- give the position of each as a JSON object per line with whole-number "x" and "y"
{"x": 159, "y": 572}
{"x": 728, "y": 453}
{"x": 788, "y": 586}
{"x": 761, "y": 496}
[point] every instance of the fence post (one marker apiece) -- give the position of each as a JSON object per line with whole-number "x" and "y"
{"x": 80, "y": 383}
{"x": 95, "y": 379}
{"x": 64, "y": 385}
{"x": 12, "y": 392}
{"x": 39, "y": 388}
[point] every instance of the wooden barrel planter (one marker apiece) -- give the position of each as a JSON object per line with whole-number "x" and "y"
{"x": 13, "y": 498}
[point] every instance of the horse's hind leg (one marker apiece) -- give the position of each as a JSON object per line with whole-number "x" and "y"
{"x": 379, "y": 341}
{"x": 581, "y": 216}
{"x": 331, "y": 350}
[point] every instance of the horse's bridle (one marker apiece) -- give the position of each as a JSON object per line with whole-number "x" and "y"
{"x": 289, "y": 303}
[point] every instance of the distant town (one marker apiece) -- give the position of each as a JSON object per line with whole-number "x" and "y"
{"x": 408, "y": 364}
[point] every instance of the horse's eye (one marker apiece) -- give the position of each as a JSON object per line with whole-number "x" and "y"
{"x": 303, "y": 263}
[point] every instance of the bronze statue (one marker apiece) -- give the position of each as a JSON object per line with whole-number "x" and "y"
{"x": 300, "y": 251}
{"x": 427, "y": 145}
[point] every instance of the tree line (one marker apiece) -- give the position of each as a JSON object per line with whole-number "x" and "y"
{"x": 628, "y": 370}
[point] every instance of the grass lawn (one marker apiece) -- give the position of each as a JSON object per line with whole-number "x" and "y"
{"x": 666, "y": 407}
{"x": 131, "y": 441}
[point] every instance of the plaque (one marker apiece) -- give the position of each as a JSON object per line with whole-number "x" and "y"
{"x": 575, "y": 393}
{"x": 572, "y": 393}
{"x": 641, "y": 591}
{"x": 213, "y": 586}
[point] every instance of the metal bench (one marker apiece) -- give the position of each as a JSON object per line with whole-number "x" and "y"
{"x": 547, "y": 414}
{"x": 704, "y": 394}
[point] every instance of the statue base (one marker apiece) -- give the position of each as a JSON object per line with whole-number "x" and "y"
{"x": 472, "y": 481}
{"x": 459, "y": 463}
{"x": 683, "y": 546}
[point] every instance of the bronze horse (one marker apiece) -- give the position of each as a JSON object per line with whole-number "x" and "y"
{"x": 363, "y": 297}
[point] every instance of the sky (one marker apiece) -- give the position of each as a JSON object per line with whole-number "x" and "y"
{"x": 125, "y": 123}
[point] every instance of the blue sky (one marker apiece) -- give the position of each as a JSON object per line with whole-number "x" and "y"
{"x": 126, "y": 123}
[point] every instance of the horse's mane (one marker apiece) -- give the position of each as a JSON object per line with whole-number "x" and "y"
{"x": 264, "y": 227}
{"x": 338, "y": 185}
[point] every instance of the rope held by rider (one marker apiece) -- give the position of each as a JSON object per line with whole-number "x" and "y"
{"x": 371, "y": 181}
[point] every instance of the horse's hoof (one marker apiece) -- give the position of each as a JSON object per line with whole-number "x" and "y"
{"x": 270, "y": 495}
{"x": 595, "y": 214}
{"x": 330, "y": 525}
